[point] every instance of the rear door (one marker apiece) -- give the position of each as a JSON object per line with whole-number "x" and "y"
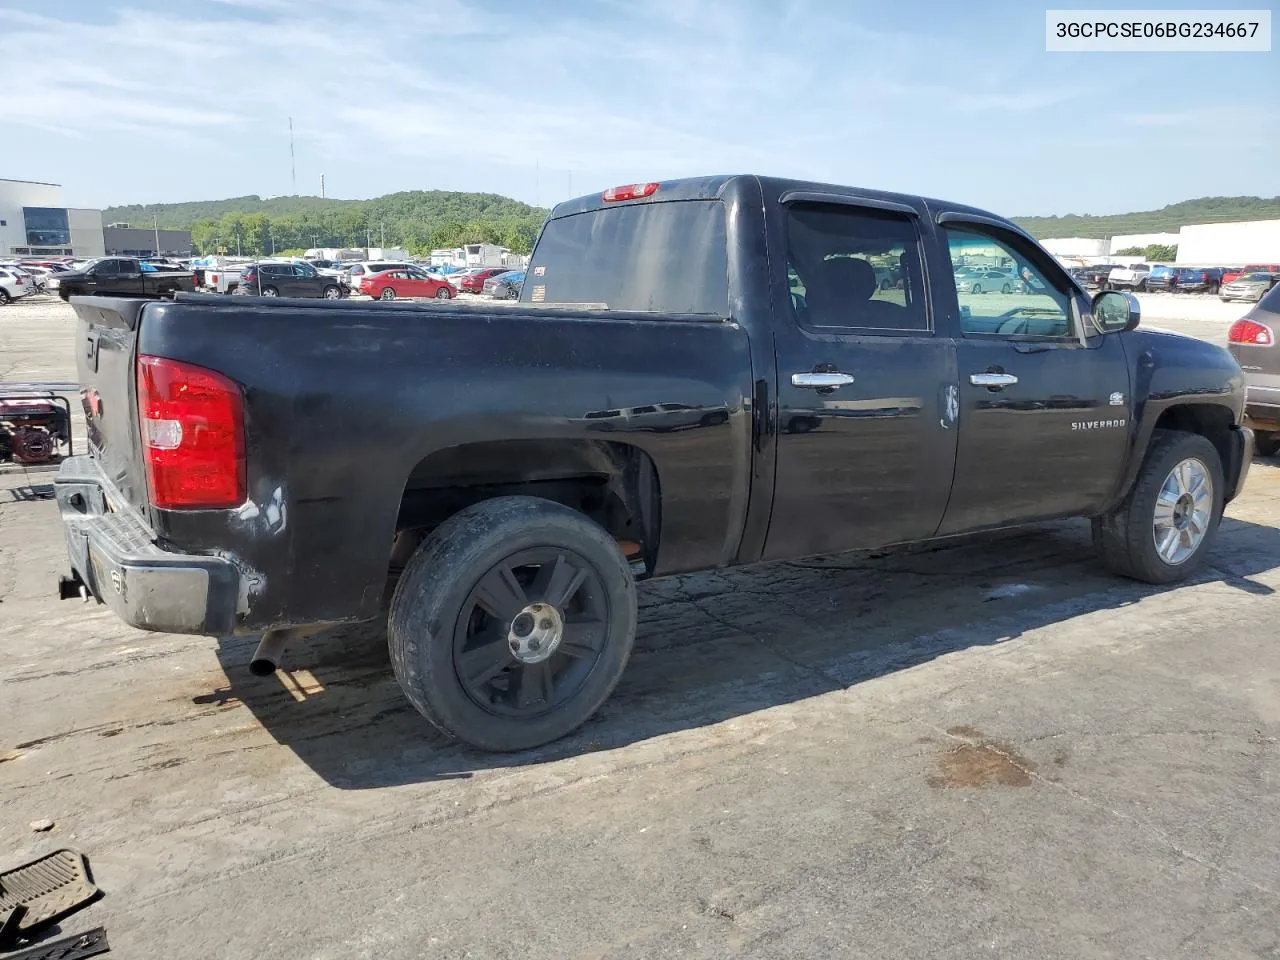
{"x": 1044, "y": 400}
{"x": 866, "y": 385}
{"x": 306, "y": 280}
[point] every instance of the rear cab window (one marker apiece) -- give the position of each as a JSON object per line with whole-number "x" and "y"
{"x": 664, "y": 257}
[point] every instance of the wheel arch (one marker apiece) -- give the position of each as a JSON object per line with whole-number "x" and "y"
{"x": 1212, "y": 420}
{"x": 615, "y": 484}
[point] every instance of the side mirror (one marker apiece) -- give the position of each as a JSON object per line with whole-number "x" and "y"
{"x": 1115, "y": 311}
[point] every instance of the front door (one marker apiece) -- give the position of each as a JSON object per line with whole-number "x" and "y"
{"x": 306, "y": 281}
{"x": 1045, "y": 400}
{"x": 866, "y": 389}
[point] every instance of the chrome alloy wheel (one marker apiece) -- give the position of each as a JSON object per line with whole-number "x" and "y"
{"x": 1184, "y": 510}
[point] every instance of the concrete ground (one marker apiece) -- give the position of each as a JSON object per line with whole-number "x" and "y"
{"x": 986, "y": 749}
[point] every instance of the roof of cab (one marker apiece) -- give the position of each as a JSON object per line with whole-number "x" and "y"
{"x": 714, "y": 187}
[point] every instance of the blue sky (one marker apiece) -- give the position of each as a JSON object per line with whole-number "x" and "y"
{"x": 128, "y": 101}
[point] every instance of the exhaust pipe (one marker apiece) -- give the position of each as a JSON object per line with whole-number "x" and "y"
{"x": 266, "y": 659}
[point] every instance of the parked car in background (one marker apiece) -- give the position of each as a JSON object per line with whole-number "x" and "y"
{"x": 1251, "y": 286}
{"x": 406, "y": 282}
{"x": 472, "y": 281}
{"x": 1094, "y": 276}
{"x": 1198, "y": 279}
{"x": 124, "y": 277}
{"x": 1161, "y": 277}
{"x": 222, "y": 279}
{"x": 1252, "y": 341}
{"x": 40, "y": 277}
{"x": 981, "y": 280}
{"x": 505, "y": 286}
{"x": 12, "y": 285}
{"x": 358, "y": 271}
{"x": 1129, "y": 278}
{"x": 289, "y": 280}
{"x": 1251, "y": 268}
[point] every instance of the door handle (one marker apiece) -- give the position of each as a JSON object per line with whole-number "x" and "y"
{"x": 992, "y": 379}
{"x": 820, "y": 381}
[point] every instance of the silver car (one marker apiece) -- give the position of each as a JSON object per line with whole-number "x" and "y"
{"x": 1250, "y": 287}
{"x": 984, "y": 280}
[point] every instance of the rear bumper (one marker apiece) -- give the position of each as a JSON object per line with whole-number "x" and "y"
{"x": 113, "y": 554}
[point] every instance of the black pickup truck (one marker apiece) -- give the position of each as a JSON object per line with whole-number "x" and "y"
{"x": 701, "y": 373}
{"x": 124, "y": 277}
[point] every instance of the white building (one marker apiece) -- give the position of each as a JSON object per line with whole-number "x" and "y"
{"x": 1075, "y": 247}
{"x": 1230, "y": 244}
{"x": 1126, "y": 241}
{"x": 35, "y": 222}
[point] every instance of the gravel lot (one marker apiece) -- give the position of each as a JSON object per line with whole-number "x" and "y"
{"x": 987, "y": 749}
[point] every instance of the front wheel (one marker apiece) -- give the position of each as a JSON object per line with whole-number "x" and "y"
{"x": 270, "y": 292}
{"x": 1161, "y": 532}
{"x": 387, "y": 294}
{"x": 512, "y": 623}
{"x": 444, "y": 293}
{"x": 1006, "y": 289}
{"x": 976, "y": 289}
{"x": 331, "y": 292}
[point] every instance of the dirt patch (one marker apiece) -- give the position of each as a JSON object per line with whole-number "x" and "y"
{"x": 982, "y": 763}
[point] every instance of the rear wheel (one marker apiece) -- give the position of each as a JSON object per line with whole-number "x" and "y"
{"x": 4, "y": 296}
{"x": 1007, "y": 288}
{"x": 444, "y": 293}
{"x": 512, "y": 623}
{"x": 387, "y": 294}
{"x": 1266, "y": 444}
{"x": 1162, "y": 530}
{"x": 270, "y": 292}
{"x": 331, "y": 292}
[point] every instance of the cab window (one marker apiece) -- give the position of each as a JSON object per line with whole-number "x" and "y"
{"x": 853, "y": 268}
{"x": 1002, "y": 291}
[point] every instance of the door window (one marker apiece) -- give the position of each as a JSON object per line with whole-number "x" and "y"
{"x": 304, "y": 270}
{"x": 1002, "y": 290}
{"x": 853, "y": 268}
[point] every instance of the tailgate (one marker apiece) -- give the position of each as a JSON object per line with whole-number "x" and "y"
{"x": 106, "y": 338}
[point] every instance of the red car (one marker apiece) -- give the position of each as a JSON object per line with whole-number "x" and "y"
{"x": 473, "y": 282}
{"x": 390, "y": 284}
{"x": 1252, "y": 268}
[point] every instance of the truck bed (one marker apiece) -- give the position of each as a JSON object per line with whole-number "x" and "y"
{"x": 357, "y": 411}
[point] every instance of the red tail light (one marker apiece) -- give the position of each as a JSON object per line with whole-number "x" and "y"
{"x": 630, "y": 191}
{"x": 192, "y": 425}
{"x": 1251, "y": 332}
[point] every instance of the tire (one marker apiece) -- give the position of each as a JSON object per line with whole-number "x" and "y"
{"x": 1266, "y": 444}
{"x": 387, "y": 294}
{"x": 1140, "y": 286}
{"x": 1125, "y": 537}
{"x": 444, "y": 293}
{"x": 331, "y": 293}
{"x": 1006, "y": 289}
{"x": 884, "y": 284}
{"x": 435, "y": 610}
{"x": 4, "y": 297}
{"x": 975, "y": 289}
{"x": 270, "y": 292}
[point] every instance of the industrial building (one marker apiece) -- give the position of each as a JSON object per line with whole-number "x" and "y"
{"x": 1199, "y": 244}
{"x": 35, "y": 222}
{"x": 126, "y": 240}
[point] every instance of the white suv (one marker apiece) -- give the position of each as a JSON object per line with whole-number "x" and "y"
{"x": 13, "y": 284}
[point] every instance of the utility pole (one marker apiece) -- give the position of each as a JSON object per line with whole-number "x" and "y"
{"x": 384, "y": 234}
{"x": 293, "y": 169}
{"x": 155, "y": 222}
{"x": 322, "y": 186}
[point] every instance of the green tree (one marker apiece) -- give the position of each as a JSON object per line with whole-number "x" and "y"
{"x": 1161, "y": 251}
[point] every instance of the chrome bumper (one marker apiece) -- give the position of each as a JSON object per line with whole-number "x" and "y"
{"x": 114, "y": 555}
